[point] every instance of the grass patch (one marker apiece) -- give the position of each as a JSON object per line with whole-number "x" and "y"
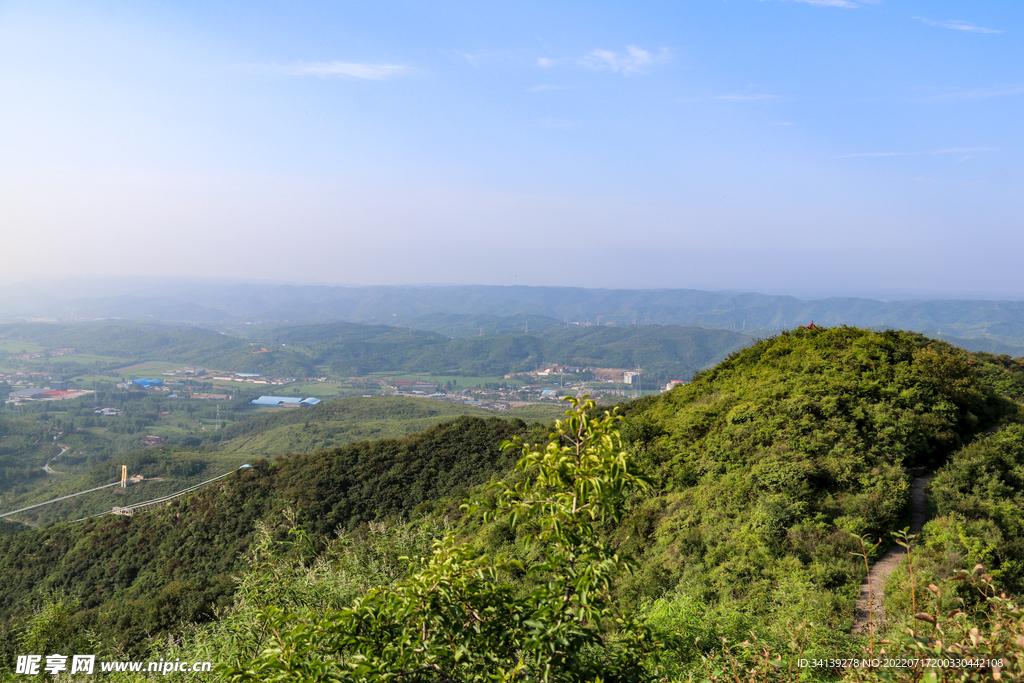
{"x": 133, "y": 371}
{"x": 462, "y": 382}
{"x": 19, "y": 346}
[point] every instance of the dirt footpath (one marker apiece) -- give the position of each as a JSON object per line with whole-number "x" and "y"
{"x": 879, "y": 572}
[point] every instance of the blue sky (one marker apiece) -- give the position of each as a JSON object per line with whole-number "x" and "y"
{"x": 817, "y": 147}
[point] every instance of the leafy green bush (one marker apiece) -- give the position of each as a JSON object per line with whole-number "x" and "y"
{"x": 453, "y": 618}
{"x": 979, "y": 497}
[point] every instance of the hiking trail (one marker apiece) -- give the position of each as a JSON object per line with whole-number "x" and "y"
{"x": 880, "y": 571}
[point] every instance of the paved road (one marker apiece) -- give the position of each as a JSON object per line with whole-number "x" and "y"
{"x": 50, "y": 470}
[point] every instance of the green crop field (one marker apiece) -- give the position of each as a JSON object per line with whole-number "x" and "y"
{"x": 19, "y": 346}
{"x": 88, "y": 379}
{"x": 85, "y": 358}
{"x": 283, "y": 430}
{"x": 460, "y": 381}
{"x": 306, "y": 389}
{"x": 137, "y": 370}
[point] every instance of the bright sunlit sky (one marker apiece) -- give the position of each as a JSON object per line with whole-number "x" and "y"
{"x": 814, "y": 147}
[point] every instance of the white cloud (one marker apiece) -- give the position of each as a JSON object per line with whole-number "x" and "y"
{"x": 953, "y": 150}
{"x": 957, "y": 25}
{"x": 634, "y": 60}
{"x": 372, "y": 72}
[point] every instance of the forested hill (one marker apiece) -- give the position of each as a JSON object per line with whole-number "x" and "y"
{"x": 664, "y": 352}
{"x": 352, "y": 349}
{"x": 766, "y": 464}
{"x": 761, "y": 469}
{"x": 128, "y": 341}
{"x": 173, "y": 467}
{"x": 142, "y": 575}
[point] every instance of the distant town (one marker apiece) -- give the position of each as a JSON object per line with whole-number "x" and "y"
{"x": 520, "y": 388}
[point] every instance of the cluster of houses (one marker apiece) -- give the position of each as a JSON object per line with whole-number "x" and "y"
{"x": 618, "y": 375}
{"x": 107, "y": 411}
{"x": 412, "y": 386}
{"x": 23, "y": 377}
{"x": 254, "y": 378}
{"x": 188, "y": 371}
{"x": 54, "y": 391}
{"x": 196, "y": 372}
{"x": 31, "y": 355}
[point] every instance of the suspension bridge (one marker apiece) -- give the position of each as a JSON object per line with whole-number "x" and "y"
{"x": 156, "y": 502}
{"x": 70, "y": 495}
{"x": 126, "y": 509}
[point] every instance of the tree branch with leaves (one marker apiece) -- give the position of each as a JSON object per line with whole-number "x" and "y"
{"x": 454, "y": 619}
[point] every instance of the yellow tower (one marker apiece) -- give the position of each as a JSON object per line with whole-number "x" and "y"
{"x": 124, "y": 476}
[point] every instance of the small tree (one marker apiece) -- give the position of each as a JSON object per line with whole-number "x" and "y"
{"x": 453, "y": 619}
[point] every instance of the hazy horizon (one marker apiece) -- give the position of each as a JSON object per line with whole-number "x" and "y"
{"x": 809, "y": 148}
{"x": 96, "y": 286}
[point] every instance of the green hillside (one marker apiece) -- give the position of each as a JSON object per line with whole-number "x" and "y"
{"x": 763, "y": 472}
{"x": 342, "y": 421}
{"x": 664, "y": 352}
{"x": 144, "y": 574}
{"x": 352, "y": 350}
{"x": 173, "y": 468}
{"x": 766, "y": 472}
{"x": 118, "y": 343}
{"x": 767, "y": 462}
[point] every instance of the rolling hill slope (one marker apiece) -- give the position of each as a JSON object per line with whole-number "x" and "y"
{"x": 761, "y": 470}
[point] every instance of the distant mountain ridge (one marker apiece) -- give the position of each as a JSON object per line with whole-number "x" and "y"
{"x": 465, "y": 310}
